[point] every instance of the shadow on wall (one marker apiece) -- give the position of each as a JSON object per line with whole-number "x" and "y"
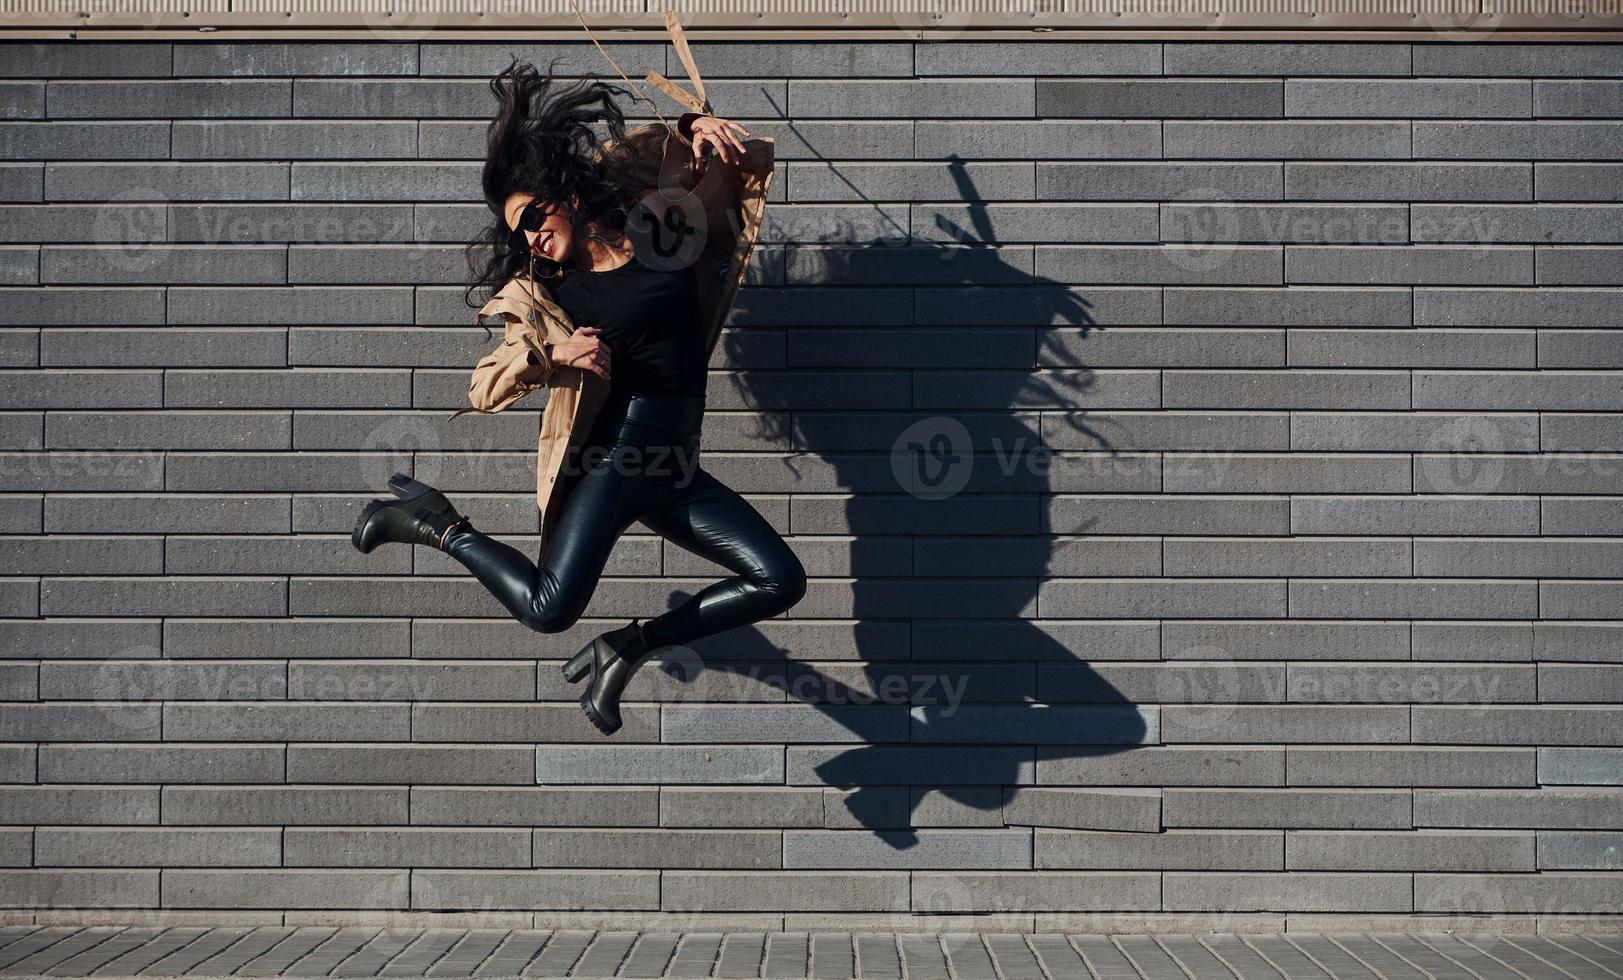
{"x": 906, "y": 407}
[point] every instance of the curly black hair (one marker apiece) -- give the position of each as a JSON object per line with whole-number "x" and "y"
{"x": 541, "y": 142}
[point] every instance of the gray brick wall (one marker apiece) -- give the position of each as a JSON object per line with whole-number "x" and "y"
{"x": 1264, "y": 562}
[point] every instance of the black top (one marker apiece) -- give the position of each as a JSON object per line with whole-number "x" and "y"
{"x": 650, "y": 321}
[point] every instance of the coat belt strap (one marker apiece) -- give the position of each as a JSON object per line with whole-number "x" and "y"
{"x": 680, "y": 40}
{"x": 694, "y": 103}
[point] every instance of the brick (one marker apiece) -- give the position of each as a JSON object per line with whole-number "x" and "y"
{"x": 417, "y": 764}
{"x": 949, "y": 807}
{"x": 285, "y": 638}
{"x": 270, "y": 806}
{"x": 476, "y": 721}
{"x": 1185, "y": 891}
{"x": 131, "y": 847}
{"x": 661, "y": 848}
{"x": 906, "y": 765}
{"x": 1419, "y": 850}
{"x": 789, "y": 722}
{"x": 1514, "y": 725}
{"x": 1513, "y": 60}
{"x": 1418, "y": 181}
{"x": 1173, "y": 850}
{"x": 1081, "y": 891}
{"x": 566, "y": 764}
{"x": 1247, "y": 140}
{"x": 1392, "y": 765}
{"x": 412, "y": 847}
{"x": 1580, "y": 683}
{"x": 1285, "y": 58}
{"x": 81, "y": 722}
{"x": 800, "y": 891}
{"x": 570, "y": 806}
{"x": 164, "y": 681}
{"x": 767, "y": 807}
{"x": 1287, "y": 808}
{"x": 79, "y": 889}
{"x": 1473, "y": 641}
{"x": 165, "y": 763}
{"x": 1548, "y": 892}
{"x": 547, "y": 890}
{"x": 1407, "y": 98}
{"x": 969, "y": 98}
{"x": 1281, "y": 723}
{"x": 1434, "y": 598}
{"x": 152, "y": 595}
{"x": 168, "y": 430}
{"x": 867, "y": 851}
{"x": 78, "y": 805}
{"x": 1561, "y": 851}
{"x": 297, "y": 888}
{"x": 1576, "y": 809}
{"x": 1090, "y": 724}
{"x": 310, "y": 721}
{"x": 1580, "y": 767}
{"x": 1083, "y": 809}
{"x": 1261, "y": 557}
{"x": 1035, "y": 57}
{"x": 419, "y": 680}
{"x": 1414, "y": 683}
{"x": 1168, "y": 765}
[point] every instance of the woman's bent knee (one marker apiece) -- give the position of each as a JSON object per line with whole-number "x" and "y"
{"x": 785, "y": 580}
{"x": 552, "y": 616}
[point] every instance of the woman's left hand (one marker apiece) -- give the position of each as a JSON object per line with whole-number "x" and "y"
{"x": 717, "y": 132}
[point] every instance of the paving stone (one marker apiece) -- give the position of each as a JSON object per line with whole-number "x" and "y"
{"x": 604, "y": 956}
{"x": 788, "y": 954}
{"x": 877, "y": 956}
{"x": 514, "y": 954}
{"x": 923, "y": 957}
{"x": 651, "y": 955}
{"x": 696, "y": 955}
{"x": 967, "y": 956}
{"x": 741, "y": 954}
{"x": 832, "y": 955}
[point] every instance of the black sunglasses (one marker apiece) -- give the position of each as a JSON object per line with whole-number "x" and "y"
{"x": 530, "y": 218}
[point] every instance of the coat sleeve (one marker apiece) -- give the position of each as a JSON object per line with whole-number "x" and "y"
{"x": 518, "y": 366}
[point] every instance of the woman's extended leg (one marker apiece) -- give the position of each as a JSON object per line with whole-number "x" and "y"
{"x": 551, "y": 598}
{"x": 710, "y": 519}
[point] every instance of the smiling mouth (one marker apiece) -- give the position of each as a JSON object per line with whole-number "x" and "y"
{"x": 543, "y": 245}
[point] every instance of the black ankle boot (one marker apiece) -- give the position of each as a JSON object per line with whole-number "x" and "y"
{"x": 611, "y": 658}
{"x": 422, "y": 515}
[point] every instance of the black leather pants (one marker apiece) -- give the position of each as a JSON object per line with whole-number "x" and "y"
{"x": 640, "y": 463}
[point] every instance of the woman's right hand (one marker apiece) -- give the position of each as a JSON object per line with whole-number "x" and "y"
{"x": 585, "y": 350}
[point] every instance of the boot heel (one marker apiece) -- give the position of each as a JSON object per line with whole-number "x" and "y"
{"x": 578, "y": 665}
{"x": 405, "y": 487}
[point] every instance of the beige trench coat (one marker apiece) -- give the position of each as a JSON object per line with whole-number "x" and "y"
{"x": 726, "y": 203}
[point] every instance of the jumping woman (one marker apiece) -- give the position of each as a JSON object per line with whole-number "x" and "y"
{"x": 642, "y": 245}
